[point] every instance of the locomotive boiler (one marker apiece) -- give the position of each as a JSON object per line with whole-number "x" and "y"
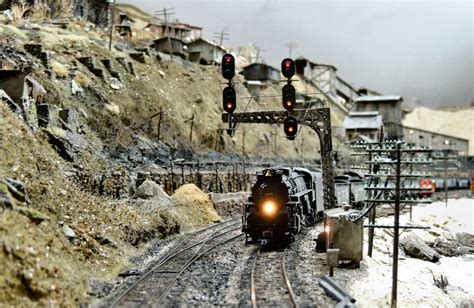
{"x": 282, "y": 201}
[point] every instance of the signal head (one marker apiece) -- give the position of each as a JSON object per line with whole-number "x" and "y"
{"x": 291, "y": 127}
{"x": 288, "y": 94}
{"x": 288, "y": 67}
{"x": 228, "y": 66}
{"x": 229, "y": 99}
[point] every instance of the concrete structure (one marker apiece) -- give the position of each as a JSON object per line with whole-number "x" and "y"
{"x": 162, "y": 45}
{"x": 362, "y": 125}
{"x": 389, "y": 107}
{"x": 436, "y": 141}
{"x": 262, "y": 72}
{"x": 345, "y": 235}
{"x": 205, "y": 52}
{"x": 184, "y": 32}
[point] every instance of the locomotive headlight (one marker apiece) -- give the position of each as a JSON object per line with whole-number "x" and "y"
{"x": 269, "y": 207}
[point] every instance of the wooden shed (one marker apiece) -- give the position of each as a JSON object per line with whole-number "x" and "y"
{"x": 163, "y": 45}
{"x": 205, "y": 52}
{"x": 262, "y": 72}
{"x": 389, "y": 107}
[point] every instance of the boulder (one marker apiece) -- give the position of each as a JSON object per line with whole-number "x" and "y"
{"x": 149, "y": 190}
{"x": 415, "y": 247}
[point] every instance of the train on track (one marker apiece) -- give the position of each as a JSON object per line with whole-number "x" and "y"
{"x": 283, "y": 200}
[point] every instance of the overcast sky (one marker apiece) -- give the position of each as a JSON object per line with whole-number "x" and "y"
{"x": 418, "y": 49}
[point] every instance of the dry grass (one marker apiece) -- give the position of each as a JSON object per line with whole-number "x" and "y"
{"x": 82, "y": 79}
{"x": 41, "y": 10}
{"x": 60, "y": 70}
{"x": 19, "y": 9}
{"x": 63, "y": 8}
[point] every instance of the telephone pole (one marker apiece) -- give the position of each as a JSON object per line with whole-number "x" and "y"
{"x": 274, "y": 135}
{"x": 112, "y": 17}
{"x": 191, "y": 121}
{"x": 259, "y": 50}
{"x": 221, "y": 36}
{"x": 290, "y": 46}
{"x": 166, "y": 13}
{"x": 243, "y": 141}
{"x": 160, "y": 116}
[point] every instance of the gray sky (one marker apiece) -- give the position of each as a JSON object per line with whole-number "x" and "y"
{"x": 420, "y": 49}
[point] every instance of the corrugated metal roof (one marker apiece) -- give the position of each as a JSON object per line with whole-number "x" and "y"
{"x": 362, "y": 122}
{"x": 373, "y": 98}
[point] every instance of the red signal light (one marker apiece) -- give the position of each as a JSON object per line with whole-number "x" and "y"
{"x": 228, "y": 59}
{"x": 289, "y": 103}
{"x": 288, "y": 64}
{"x": 290, "y": 129}
{"x": 229, "y": 105}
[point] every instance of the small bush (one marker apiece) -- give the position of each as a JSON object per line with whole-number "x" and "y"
{"x": 60, "y": 70}
{"x": 82, "y": 79}
{"x": 19, "y": 9}
{"x": 41, "y": 10}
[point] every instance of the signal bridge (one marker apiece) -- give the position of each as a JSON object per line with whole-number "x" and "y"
{"x": 317, "y": 119}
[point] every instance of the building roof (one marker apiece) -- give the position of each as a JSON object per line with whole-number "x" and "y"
{"x": 207, "y": 42}
{"x": 363, "y": 120}
{"x": 166, "y": 38}
{"x": 262, "y": 64}
{"x": 379, "y": 98}
{"x": 301, "y": 58}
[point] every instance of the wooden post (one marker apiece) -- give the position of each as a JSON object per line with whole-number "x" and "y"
{"x": 396, "y": 227}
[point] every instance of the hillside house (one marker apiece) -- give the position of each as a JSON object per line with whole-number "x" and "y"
{"x": 162, "y": 45}
{"x": 389, "y": 107}
{"x": 184, "y": 32}
{"x": 362, "y": 126}
{"x": 262, "y": 72}
{"x": 205, "y": 52}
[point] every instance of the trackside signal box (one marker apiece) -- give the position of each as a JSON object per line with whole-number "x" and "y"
{"x": 344, "y": 234}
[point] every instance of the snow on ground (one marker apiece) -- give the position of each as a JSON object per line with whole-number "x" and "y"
{"x": 371, "y": 283}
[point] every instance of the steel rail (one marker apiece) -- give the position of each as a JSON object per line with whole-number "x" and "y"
{"x": 253, "y": 292}
{"x": 196, "y": 257}
{"x": 173, "y": 253}
{"x": 287, "y": 281}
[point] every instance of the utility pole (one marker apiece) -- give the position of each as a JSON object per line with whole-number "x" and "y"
{"x": 243, "y": 141}
{"x": 166, "y": 13}
{"x": 112, "y": 17}
{"x": 302, "y": 148}
{"x": 290, "y": 46}
{"x": 274, "y": 135}
{"x": 221, "y": 36}
{"x": 160, "y": 116}
{"x": 259, "y": 50}
{"x": 191, "y": 120}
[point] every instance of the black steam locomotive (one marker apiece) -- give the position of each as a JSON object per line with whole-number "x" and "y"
{"x": 282, "y": 201}
{"x": 285, "y": 199}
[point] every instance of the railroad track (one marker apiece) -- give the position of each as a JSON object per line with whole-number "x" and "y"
{"x": 269, "y": 283}
{"x": 154, "y": 287}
